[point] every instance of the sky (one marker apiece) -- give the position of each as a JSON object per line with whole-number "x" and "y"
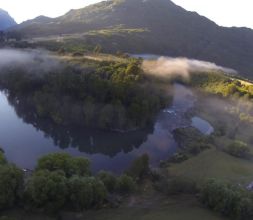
{"x": 223, "y": 12}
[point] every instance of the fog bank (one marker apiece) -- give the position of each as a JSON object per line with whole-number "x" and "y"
{"x": 32, "y": 61}
{"x": 167, "y": 67}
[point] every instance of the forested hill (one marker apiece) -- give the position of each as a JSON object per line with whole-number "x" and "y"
{"x": 6, "y": 20}
{"x": 151, "y": 26}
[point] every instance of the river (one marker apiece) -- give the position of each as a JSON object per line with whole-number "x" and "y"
{"x": 25, "y": 139}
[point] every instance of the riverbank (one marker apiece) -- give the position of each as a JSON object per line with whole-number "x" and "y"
{"x": 146, "y": 205}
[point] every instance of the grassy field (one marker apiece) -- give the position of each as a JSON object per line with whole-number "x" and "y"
{"x": 179, "y": 208}
{"x": 147, "y": 204}
{"x": 214, "y": 164}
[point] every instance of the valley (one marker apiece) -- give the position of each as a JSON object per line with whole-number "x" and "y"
{"x": 125, "y": 109}
{"x": 190, "y": 137}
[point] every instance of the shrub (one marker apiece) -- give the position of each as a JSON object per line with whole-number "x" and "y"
{"x": 80, "y": 192}
{"x": 230, "y": 200}
{"x": 63, "y": 161}
{"x": 126, "y": 184}
{"x": 86, "y": 192}
{"x": 99, "y": 191}
{"x": 139, "y": 167}
{"x": 238, "y": 149}
{"x": 191, "y": 140}
{"x": 47, "y": 190}
{"x": 2, "y": 159}
{"x": 11, "y": 185}
{"x": 109, "y": 180}
{"x": 178, "y": 158}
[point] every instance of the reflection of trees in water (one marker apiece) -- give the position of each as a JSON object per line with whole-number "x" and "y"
{"x": 86, "y": 140}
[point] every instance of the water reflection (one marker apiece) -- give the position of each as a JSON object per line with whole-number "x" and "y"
{"x": 90, "y": 141}
{"x": 25, "y": 137}
{"x": 202, "y": 125}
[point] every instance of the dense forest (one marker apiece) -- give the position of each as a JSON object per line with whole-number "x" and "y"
{"x": 107, "y": 95}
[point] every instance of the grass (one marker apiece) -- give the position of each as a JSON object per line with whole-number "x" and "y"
{"x": 214, "y": 164}
{"x": 173, "y": 208}
{"x": 90, "y": 60}
{"x": 148, "y": 204}
{"x": 179, "y": 208}
{"x": 116, "y": 31}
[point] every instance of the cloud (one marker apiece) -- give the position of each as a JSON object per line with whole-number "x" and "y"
{"x": 168, "y": 67}
{"x": 32, "y": 61}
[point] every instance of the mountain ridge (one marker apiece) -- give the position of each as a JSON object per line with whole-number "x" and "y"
{"x": 171, "y": 31}
{"x": 6, "y": 21}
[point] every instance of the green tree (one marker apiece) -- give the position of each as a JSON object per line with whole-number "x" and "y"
{"x": 230, "y": 200}
{"x": 63, "y": 161}
{"x": 126, "y": 184}
{"x": 133, "y": 68}
{"x": 109, "y": 180}
{"x": 2, "y": 159}
{"x": 80, "y": 192}
{"x": 47, "y": 190}
{"x": 139, "y": 167}
{"x": 99, "y": 191}
{"x": 11, "y": 185}
{"x": 238, "y": 149}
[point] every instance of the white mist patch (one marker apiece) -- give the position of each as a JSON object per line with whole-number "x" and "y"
{"x": 33, "y": 61}
{"x": 166, "y": 67}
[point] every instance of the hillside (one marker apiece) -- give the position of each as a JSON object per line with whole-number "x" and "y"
{"x": 6, "y": 20}
{"x": 160, "y": 27}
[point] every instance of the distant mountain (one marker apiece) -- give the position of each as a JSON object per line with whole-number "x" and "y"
{"x": 152, "y": 26}
{"x": 6, "y": 20}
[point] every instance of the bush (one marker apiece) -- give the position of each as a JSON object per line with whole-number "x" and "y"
{"x": 11, "y": 185}
{"x": 139, "y": 167}
{"x": 80, "y": 192}
{"x": 99, "y": 191}
{"x": 238, "y": 149}
{"x": 66, "y": 163}
{"x": 47, "y": 190}
{"x": 229, "y": 200}
{"x": 109, "y": 180}
{"x": 191, "y": 140}
{"x": 178, "y": 158}
{"x": 85, "y": 192}
{"x": 126, "y": 184}
{"x": 2, "y": 159}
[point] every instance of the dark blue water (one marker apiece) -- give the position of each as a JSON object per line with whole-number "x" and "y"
{"x": 26, "y": 138}
{"x": 202, "y": 125}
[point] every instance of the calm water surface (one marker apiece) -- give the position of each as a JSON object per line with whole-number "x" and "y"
{"x": 25, "y": 138}
{"x": 202, "y": 125}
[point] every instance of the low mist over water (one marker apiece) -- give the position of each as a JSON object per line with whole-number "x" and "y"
{"x": 31, "y": 61}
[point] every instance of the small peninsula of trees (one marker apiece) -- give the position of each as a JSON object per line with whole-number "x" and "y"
{"x": 106, "y": 95}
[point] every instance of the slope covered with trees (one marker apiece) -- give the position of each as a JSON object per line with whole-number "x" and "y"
{"x": 106, "y": 95}
{"x": 150, "y": 26}
{"x": 6, "y": 20}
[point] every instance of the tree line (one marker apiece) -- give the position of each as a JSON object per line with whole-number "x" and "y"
{"x": 106, "y": 95}
{"x": 61, "y": 181}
